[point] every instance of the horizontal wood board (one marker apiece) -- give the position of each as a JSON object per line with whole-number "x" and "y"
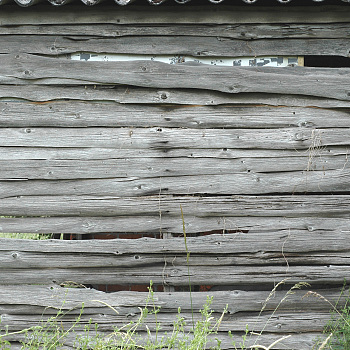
{"x": 154, "y": 96}
{"x": 256, "y": 158}
{"x": 200, "y": 46}
{"x": 236, "y": 30}
{"x": 317, "y": 82}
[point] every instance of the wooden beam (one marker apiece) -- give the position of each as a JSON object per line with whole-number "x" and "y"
{"x": 316, "y": 82}
{"x": 254, "y": 31}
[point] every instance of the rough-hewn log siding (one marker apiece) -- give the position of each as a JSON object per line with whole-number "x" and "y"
{"x": 258, "y": 156}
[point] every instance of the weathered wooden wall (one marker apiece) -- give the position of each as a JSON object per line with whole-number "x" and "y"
{"x": 258, "y": 156}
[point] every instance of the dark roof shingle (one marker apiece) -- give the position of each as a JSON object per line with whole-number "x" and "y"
{"x": 26, "y": 3}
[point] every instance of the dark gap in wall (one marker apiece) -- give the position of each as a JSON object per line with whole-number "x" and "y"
{"x": 212, "y": 288}
{"x": 69, "y": 236}
{"x": 302, "y": 193}
{"x": 212, "y": 232}
{"x": 327, "y": 61}
{"x": 194, "y": 288}
{"x": 138, "y": 235}
{"x": 121, "y": 235}
{"x": 110, "y": 288}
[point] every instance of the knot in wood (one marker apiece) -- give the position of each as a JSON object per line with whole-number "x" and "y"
{"x": 299, "y": 136}
{"x": 305, "y": 124}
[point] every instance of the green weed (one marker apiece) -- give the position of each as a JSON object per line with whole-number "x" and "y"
{"x": 338, "y": 327}
{"x": 52, "y": 334}
{"x": 55, "y": 333}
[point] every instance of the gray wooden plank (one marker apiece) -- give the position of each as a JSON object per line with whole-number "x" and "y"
{"x": 37, "y": 260}
{"x": 178, "y": 275}
{"x": 281, "y": 239}
{"x": 199, "y": 46}
{"x": 162, "y": 224}
{"x": 162, "y": 167}
{"x": 317, "y": 82}
{"x": 283, "y": 322}
{"x": 332, "y": 181}
{"x": 209, "y": 14}
{"x": 111, "y": 114}
{"x": 135, "y": 95}
{"x": 297, "y": 206}
{"x": 33, "y": 299}
{"x": 235, "y": 31}
{"x": 293, "y": 138}
{"x": 98, "y": 153}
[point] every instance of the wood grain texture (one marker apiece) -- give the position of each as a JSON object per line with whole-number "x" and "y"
{"x": 284, "y": 322}
{"x": 178, "y": 275}
{"x": 16, "y": 301}
{"x": 332, "y": 181}
{"x": 111, "y": 114}
{"x": 291, "y": 138}
{"x": 271, "y": 240}
{"x": 152, "y": 96}
{"x": 149, "y": 167}
{"x": 280, "y": 253}
{"x": 154, "y": 224}
{"x": 325, "y": 206}
{"x": 235, "y": 31}
{"x": 198, "y": 46}
{"x": 317, "y": 82}
{"x": 257, "y": 158}
{"x": 97, "y": 153}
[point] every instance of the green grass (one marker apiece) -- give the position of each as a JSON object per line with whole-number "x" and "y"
{"x": 52, "y": 334}
{"x": 337, "y": 329}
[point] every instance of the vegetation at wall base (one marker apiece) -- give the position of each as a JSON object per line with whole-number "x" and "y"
{"x": 52, "y": 335}
{"x": 338, "y": 327}
{"x": 55, "y": 334}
